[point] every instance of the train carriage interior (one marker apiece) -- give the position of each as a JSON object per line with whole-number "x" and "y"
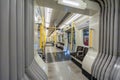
{"x": 59, "y": 40}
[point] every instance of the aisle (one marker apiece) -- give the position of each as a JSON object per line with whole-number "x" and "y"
{"x": 63, "y": 69}
{"x": 56, "y": 55}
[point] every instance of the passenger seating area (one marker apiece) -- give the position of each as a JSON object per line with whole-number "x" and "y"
{"x": 60, "y": 45}
{"x": 78, "y": 57}
{"x": 80, "y": 53}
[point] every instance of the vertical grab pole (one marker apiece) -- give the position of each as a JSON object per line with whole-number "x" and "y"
{"x": 91, "y": 38}
{"x": 72, "y": 32}
{"x": 55, "y": 40}
{"x": 42, "y": 41}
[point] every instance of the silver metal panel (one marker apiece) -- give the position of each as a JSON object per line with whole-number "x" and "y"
{"x": 116, "y": 69}
{"x": 107, "y": 58}
{"x": 34, "y": 72}
{"x": 4, "y": 39}
{"x": 12, "y": 41}
{"x": 113, "y": 48}
{"x": 104, "y": 69}
{"x": 104, "y": 54}
{"x": 20, "y": 39}
{"x": 100, "y": 37}
{"x": 117, "y": 72}
{"x": 29, "y": 39}
{"x": 98, "y": 61}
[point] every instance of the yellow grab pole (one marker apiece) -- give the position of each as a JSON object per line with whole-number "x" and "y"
{"x": 42, "y": 41}
{"x": 55, "y": 40}
{"x": 41, "y": 36}
{"x": 90, "y": 37}
{"x": 72, "y": 32}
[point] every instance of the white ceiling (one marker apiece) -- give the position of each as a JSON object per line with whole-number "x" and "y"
{"x": 91, "y": 6}
{"x": 59, "y": 11}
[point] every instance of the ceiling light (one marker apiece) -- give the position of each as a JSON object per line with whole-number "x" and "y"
{"x": 80, "y": 4}
{"x": 71, "y": 2}
{"x": 73, "y": 18}
{"x": 81, "y": 19}
{"x": 70, "y": 20}
{"x": 48, "y": 14}
{"x": 62, "y": 26}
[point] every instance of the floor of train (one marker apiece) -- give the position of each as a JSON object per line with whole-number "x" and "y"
{"x": 60, "y": 67}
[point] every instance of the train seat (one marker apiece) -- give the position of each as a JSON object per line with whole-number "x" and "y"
{"x": 82, "y": 54}
{"x": 79, "y": 50}
{"x": 60, "y": 45}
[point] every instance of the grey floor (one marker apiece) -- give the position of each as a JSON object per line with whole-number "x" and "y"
{"x": 62, "y": 69}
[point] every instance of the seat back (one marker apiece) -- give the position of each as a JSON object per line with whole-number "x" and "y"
{"x": 85, "y": 50}
{"x": 80, "y": 48}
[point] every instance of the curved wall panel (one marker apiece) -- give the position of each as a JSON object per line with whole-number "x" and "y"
{"x": 104, "y": 67}
{"x": 20, "y": 38}
{"x": 29, "y": 35}
{"x": 4, "y": 39}
{"x": 100, "y": 39}
{"x": 16, "y": 41}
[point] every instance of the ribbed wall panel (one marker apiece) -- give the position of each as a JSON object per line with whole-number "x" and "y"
{"x": 16, "y": 41}
{"x": 13, "y": 41}
{"x": 4, "y": 39}
{"x": 20, "y": 39}
{"x": 104, "y": 67}
{"x": 29, "y": 39}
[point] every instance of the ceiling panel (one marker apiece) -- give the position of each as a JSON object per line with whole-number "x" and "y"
{"x": 59, "y": 11}
{"x": 57, "y": 16}
{"x": 54, "y": 4}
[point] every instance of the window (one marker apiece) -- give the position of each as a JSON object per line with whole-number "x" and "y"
{"x": 86, "y": 36}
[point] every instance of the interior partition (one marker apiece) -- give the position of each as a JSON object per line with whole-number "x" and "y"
{"x": 106, "y": 64}
{"x": 17, "y": 40}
